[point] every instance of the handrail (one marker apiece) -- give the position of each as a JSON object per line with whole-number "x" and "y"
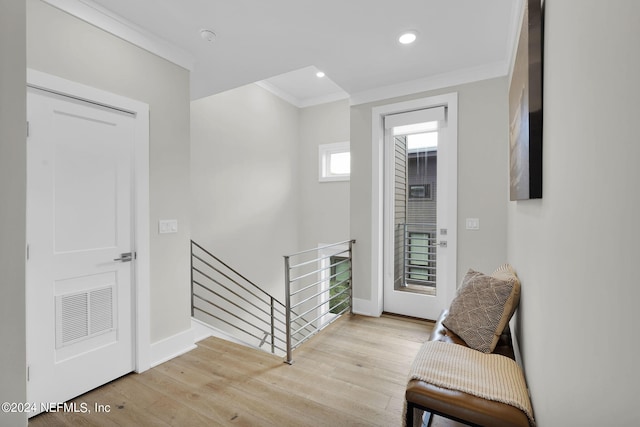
{"x": 225, "y": 287}
{"x": 308, "y": 278}
{"x": 228, "y": 299}
{"x": 319, "y": 248}
{"x": 231, "y": 269}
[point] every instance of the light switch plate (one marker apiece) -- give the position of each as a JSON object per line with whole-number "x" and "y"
{"x": 473, "y": 224}
{"x": 167, "y": 226}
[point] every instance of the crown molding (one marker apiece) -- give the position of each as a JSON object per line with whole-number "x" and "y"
{"x": 279, "y": 93}
{"x": 324, "y": 99}
{"x": 112, "y": 23}
{"x": 302, "y": 103}
{"x": 469, "y": 75}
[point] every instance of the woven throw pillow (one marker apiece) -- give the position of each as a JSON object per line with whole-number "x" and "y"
{"x": 482, "y": 308}
{"x": 506, "y": 272}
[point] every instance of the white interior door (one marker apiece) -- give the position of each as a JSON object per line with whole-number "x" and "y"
{"x": 79, "y": 225}
{"x": 420, "y": 194}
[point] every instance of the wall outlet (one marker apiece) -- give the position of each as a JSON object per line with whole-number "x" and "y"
{"x": 167, "y": 226}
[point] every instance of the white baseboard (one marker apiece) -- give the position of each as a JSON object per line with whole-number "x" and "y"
{"x": 171, "y": 347}
{"x": 201, "y": 330}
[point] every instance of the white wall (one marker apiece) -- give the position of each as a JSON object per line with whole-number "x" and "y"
{"x": 67, "y": 47}
{"x": 254, "y": 178}
{"x": 576, "y": 249}
{"x": 324, "y": 206}
{"x": 482, "y": 179}
{"x": 13, "y": 180}
{"x": 244, "y": 181}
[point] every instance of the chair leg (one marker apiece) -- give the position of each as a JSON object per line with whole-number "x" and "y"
{"x": 409, "y": 415}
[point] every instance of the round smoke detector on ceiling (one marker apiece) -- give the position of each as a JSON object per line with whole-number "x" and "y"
{"x": 207, "y": 35}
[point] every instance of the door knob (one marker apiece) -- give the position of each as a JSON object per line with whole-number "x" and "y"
{"x": 124, "y": 257}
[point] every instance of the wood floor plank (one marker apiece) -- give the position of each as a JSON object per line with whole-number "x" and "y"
{"x": 352, "y": 374}
{"x": 209, "y": 399}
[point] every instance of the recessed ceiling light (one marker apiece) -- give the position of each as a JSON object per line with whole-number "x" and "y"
{"x": 320, "y": 74}
{"x": 207, "y": 35}
{"x": 408, "y": 37}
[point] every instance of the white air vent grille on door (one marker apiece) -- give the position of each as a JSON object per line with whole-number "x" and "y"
{"x": 83, "y": 315}
{"x": 74, "y": 312}
{"x": 101, "y": 310}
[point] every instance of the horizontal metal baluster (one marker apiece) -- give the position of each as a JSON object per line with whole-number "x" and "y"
{"x": 228, "y": 277}
{"x": 256, "y": 287}
{"x": 321, "y": 304}
{"x": 293, "y": 318}
{"x": 229, "y": 290}
{"x": 225, "y": 321}
{"x": 249, "y": 306}
{"x": 304, "y": 276}
{"x": 231, "y": 313}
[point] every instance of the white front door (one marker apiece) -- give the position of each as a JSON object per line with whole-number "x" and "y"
{"x": 79, "y": 234}
{"x": 420, "y": 195}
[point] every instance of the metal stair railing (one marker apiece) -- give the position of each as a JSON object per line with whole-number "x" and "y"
{"x": 227, "y": 299}
{"x": 318, "y": 285}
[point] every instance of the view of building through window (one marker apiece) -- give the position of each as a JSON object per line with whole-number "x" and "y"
{"x": 416, "y": 151}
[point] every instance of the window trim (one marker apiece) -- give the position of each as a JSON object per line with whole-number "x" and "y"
{"x": 325, "y": 151}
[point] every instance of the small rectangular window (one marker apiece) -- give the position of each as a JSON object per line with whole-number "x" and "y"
{"x": 420, "y": 191}
{"x": 334, "y": 162}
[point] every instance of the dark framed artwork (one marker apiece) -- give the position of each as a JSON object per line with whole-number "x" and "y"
{"x": 525, "y": 108}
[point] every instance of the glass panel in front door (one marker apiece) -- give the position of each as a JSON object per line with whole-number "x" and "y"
{"x": 415, "y": 201}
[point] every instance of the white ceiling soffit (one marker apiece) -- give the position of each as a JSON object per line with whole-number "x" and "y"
{"x": 354, "y": 42}
{"x": 303, "y": 88}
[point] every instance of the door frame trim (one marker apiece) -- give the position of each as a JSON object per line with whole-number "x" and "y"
{"x": 141, "y": 276}
{"x": 449, "y": 100}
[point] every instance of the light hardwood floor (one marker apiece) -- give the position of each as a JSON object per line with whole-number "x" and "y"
{"x": 352, "y": 374}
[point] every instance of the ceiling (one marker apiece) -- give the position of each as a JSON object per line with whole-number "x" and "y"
{"x": 282, "y": 43}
